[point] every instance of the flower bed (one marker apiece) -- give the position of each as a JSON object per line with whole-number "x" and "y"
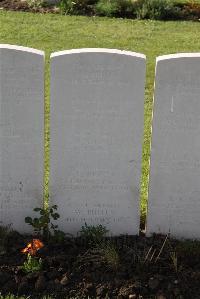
{"x": 141, "y": 9}
{"x": 118, "y": 267}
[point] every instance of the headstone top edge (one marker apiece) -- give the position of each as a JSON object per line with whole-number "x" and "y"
{"x": 177, "y": 56}
{"x": 21, "y": 48}
{"x": 98, "y": 50}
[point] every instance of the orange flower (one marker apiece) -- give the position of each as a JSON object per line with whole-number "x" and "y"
{"x": 33, "y": 247}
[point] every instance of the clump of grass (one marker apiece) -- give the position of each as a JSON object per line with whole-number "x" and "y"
{"x": 101, "y": 249}
{"x": 93, "y": 235}
{"x": 111, "y": 255}
{"x": 106, "y": 8}
{"x": 157, "y": 10}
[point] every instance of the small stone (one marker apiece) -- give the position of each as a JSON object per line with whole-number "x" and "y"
{"x": 65, "y": 280}
{"x": 60, "y": 269}
{"x": 101, "y": 291}
{"x": 125, "y": 291}
{"x": 132, "y": 296}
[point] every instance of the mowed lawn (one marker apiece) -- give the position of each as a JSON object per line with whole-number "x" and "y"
{"x": 55, "y": 32}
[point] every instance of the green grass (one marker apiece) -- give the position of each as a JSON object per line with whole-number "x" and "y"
{"x": 54, "y": 32}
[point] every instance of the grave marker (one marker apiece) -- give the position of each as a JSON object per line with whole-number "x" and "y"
{"x": 21, "y": 134}
{"x": 174, "y": 190}
{"x": 97, "y": 107}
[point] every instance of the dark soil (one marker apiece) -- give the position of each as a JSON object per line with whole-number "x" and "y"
{"x": 121, "y": 267}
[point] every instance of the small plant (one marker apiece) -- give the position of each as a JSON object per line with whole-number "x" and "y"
{"x": 157, "y": 9}
{"x": 35, "y": 4}
{"x": 106, "y": 8}
{"x": 95, "y": 235}
{"x": 58, "y": 236}
{"x": 120, "y": 8}
{"x": 32, "y": 264}
{"x": 111, "y": 256}
{"x": 41, "y": 224}
{"x": 67, "y": 6}
{"x": 77, "y": 6}
{"x": 126, "y": 8}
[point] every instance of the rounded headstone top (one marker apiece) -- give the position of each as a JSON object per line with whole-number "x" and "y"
{"x": 98, "y": 50}
{"x": 20, "y": 48}
{"x": 178, "y": 55}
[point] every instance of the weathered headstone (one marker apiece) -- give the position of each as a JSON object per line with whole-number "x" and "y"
{"x": 97, "y": 106}
{"x": 174, "y": 191}
{"x": 21, "y": 133}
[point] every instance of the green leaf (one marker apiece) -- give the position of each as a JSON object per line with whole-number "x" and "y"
{"x": 28, "y": 220}
{"x": 36, "y": 209}
{"x": 42, "y": 212}
{"x": 55, "y": 216}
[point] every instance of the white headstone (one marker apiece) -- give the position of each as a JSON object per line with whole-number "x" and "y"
{"x": 174, "y": 190}
{"x": 97, "y": 107}
{"x": 21, "y": 133}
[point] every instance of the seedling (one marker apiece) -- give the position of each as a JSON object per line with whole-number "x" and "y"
{"x": 32, "y": 264}
{"x": 42, "y": 223}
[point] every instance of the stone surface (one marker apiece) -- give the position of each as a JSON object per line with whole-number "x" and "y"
{"x": 21, "y": 134}
{"x": 97, "y": 107}
{"x": 64, "y": 280}
{"x": 174, "y": 191}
